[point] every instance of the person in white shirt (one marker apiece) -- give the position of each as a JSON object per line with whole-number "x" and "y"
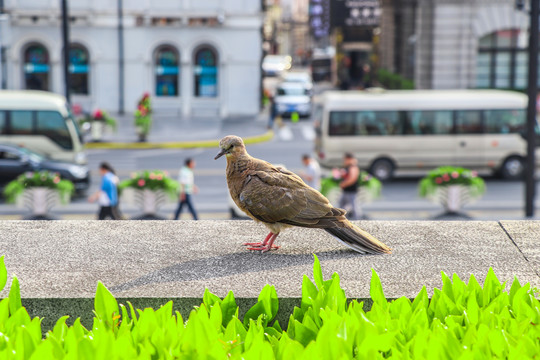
{"x": 312, "y": 172}
{"x": 187, "y": 188}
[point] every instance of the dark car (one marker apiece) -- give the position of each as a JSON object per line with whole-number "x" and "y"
{"x": 16, "y": 160}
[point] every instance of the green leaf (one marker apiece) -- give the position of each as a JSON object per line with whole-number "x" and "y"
{"x": 421, "y": 300}
{"x": 376, "y": 290}
{"x": 105, "y": 305}
{"x": 229, "y": 308}
{"x": 3, "y": 273}
{"x": 473, "y": 311}
{"x": 317, "y": 272}
{"x": 14, "y": 296}
{"x": 210, "y": 299}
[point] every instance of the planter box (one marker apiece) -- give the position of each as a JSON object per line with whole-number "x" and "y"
{"x": 39, "y": 200}
{"x": 148, "y": 200}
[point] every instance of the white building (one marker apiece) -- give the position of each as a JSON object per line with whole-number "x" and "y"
{"x": 452, "y": 44}
{"x": 196, "y": 58}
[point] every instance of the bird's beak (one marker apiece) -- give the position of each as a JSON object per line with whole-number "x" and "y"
{"x": 221, "y": 153}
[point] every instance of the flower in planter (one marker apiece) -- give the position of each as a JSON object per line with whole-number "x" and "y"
{"x": 155, "y": 180}
{"x": 367, "y": 183}
{"x": 100, "y": 116}
{"x": 44, "y": 179}
{"x": 143, "y": 118}
{"x": 448, "y": 175}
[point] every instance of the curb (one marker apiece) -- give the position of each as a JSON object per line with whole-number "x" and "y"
{"x": 174, "y": 144}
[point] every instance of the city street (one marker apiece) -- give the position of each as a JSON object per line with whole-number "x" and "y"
{"x": 399, "y": 200}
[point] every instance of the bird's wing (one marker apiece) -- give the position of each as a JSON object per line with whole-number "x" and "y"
{"x": 277, "y": 195}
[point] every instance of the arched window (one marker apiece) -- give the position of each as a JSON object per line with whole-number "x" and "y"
{"x": 79, "y": 66}
{"x": 36, "y": 67}
{"x": 502, "y": 60}
{"x": 206, "y": 72}
{"x": 166, "y": 71}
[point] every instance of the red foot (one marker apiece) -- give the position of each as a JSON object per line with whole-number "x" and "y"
{"x": 264, "y": 248}
{"x": 254, "y": 244}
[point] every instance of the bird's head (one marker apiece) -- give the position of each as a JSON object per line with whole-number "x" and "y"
{"x": 231, "y": 145}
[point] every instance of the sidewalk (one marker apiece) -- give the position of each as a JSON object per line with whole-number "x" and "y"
{"x": 176, "y": 132}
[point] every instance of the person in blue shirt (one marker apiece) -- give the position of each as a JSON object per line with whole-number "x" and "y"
{"x": 107, "y": 195}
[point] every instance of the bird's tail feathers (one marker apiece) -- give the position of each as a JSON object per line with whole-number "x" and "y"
{"x": 358, "y": 239}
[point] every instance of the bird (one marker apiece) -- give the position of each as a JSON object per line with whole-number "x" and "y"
{"x": 280, "y": 199}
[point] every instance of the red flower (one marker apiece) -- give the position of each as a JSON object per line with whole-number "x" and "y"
{"x": 455, "y": 174}
{"x": 438, "y": 180}
{"x": 446, "y": 177}
{"x": 98, "y": 115}
{"x": 141, "y": 182}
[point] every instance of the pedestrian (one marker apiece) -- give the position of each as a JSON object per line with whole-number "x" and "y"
{"x": 273, "y": 112}
{"x": 311, "y": 173}
{"x": 187, "y": 188}
{"x": 107, "y": 195}
{"x": 349, "y": 186}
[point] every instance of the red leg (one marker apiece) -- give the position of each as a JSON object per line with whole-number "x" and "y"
{"x": 258, "y": 244}
{"x": 266, "y": 247}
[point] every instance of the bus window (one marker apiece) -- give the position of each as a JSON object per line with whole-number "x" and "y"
{"x": 350, "y": 123}
{"x": 429, "y": 122}
{"x": 3, "y": 122}
{"x": 504, "y": 121}
{"x": 469, "y": 122}
{"x": 52, "y": 125}
{"x": 21, "y": 122}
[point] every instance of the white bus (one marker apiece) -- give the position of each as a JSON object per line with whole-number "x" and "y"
{"x": 391, "y": 131}
{"x": 40, "y": 121}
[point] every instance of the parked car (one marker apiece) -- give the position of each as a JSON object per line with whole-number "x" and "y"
{"x": 16, "y": 160}
{"x": 292, "y": 97}
{"x": 275, "y": 65}
{"x": 300, "y": 77}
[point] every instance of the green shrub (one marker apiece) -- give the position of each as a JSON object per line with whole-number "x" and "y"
{"x": 450, "y": 175}
{"x": 460, "y": 321}
{"x": 151, "y": 180}
{"x": 43, "y": 178}
{"x": 393, "y": 81}
{"x": 369, "y": 183}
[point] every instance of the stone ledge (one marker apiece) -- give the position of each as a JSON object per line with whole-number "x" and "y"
{"x": 179, "y": 259}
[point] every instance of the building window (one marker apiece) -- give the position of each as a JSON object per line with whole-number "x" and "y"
{"x": 166, "y": 71}
{"x": 36, "y": 68}
{"x": 79, "y": 65}
{"x": 206, "y": 72}
{"x": 502, "y": 60}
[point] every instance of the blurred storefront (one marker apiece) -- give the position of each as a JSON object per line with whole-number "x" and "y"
{"x": 196, "y": 58}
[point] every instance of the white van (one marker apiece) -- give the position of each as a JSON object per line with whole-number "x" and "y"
{"x": 390, "y": 131}
{"x": 40, "y": 121}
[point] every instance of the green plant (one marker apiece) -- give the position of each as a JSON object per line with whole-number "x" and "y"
{"x": 390, "y": 80}
{"x": 365, "y": 181}
{"x": 460, "y": 321}
{"x": 450, "y": 175}
{"x": 152, "y": 180}
{"x": 102, "y": 116}
{"x": 143, "y": 118}
{"x": 44, "y": 178}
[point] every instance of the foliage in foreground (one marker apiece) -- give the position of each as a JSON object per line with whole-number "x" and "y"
{"x": 461, "y": 321}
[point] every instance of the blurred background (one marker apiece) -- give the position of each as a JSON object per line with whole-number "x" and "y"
{"x": 308, "y": 70}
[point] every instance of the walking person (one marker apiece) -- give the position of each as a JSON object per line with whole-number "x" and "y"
{"x": 311, "y": 173}
{"x": 349, "y": 186}
{"x": 187, "y": 188}
{"x": 107, "y": 195}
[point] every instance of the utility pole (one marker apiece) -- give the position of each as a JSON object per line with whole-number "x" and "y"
{"x": 532, "y": 92}
{"x": 120, "y": 57}
{"x": 4, "y": 24}
{"x": 65, "y": 41}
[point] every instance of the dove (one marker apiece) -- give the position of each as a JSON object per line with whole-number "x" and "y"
{"x": 280, "y": 199}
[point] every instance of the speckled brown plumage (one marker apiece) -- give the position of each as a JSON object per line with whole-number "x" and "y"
{"x": 279, "y": 199}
